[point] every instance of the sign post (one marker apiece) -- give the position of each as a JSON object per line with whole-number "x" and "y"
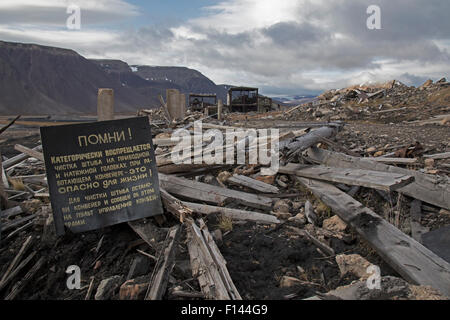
{"x": 100, "y": 174}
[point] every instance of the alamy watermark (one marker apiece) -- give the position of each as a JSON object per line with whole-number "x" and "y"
{"x": 374, "y": 20}
{"x": 73, "y": 22}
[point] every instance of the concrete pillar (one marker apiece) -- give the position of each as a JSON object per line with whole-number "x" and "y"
{"x": 219, "y": 110}
{"x": 105, "y": 104}
{"x": 172, "y": 101}
{"x": 182, "y": 104}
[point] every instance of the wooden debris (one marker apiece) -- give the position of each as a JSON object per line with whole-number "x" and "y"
{"x": 438, "y": 156}
{"x": 386, "y": 160}
{"x": 233, "y": 213}
{"x": 425, "y": 187}
{"x": 19, "y": 158}
{"x": 30, "y": 152}
{"x": 18, "y": 222}
{"x": 252, "y": 184}
{"x": 12, "y": 212}
{"x": 15, "y": 261}
{"x": 309, "y": 213}
{"x": 211, "y": 194}
{"x": 4, "y": 128}
{"x": 164, "y": 266}
{"x": 364, "y": 178}
{"x": 19, "y": 286}
{"x": 409, "y": 258}
{"x": 208, "y": 264}
{"x": 146, "y": 230}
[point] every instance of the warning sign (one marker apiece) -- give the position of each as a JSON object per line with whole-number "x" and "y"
{"x": 101, "y": 173}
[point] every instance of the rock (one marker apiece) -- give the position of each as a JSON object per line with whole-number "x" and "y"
{"x": 354, "y": 264}
{"x": 288, "y": 282}
{"x": 371, "y": 150}
{"x": 281, "y": 206}
{"x": 139, "y": 267}
{"x": 296, "y": 206}
{"x": 309, "y": 213}
{"x": 209, "y": 178}
{"x": 217, "y": 236}
{"x": 445, "y": 120}
{"x": 282, "y": 215}
{"x": 107, "y": 287}
{"x": 134, "y": 289}
{"x": 378, "y": 154}
{"x": 159, "y": 151}
{"x": 429, "y": 163}
{"x": 224, "y": 176}
{"x": 298, "y": 219}
{"x": 427, "y": 83}
{"x": 266, "y": 179}
{"x": 390, "y": 288}
{"x": 334, "y": 224}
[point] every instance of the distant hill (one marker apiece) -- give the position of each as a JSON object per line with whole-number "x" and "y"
{"x": 37, "y": 79}
{"x": 40, "y": 80}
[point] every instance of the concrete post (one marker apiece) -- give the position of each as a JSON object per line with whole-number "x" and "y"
{"x": 172, "y": 101}
{"x": 219, "y": 110}
{"x": 105, "y": 104}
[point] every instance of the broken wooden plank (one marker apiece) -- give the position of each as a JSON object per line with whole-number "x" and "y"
{"x": 208, "y": 265}
{"x": 252, "y": 184}
{"x": 427, "y": 188}
{"x": 386, "y": 160}
{"x": 175, "y": 206}
{"x": 16, "y": 260}
{"x": 410, "y": 259}
{"x": 211, "y": 194}
{"x": 12, "y": 212}
{"x": 18, "y": 222}
{"x": 438, "y": 156}
{"x": 364, "y": 178}
{"x": 309, "y": 213}
{"x": 311, "y": 138}
{"x": 164, "y": 266}
{"x": 19, "y": 286}
{"x": 19, "y": 158}
{"x": 32, "y": 153}
{"x": 235, "y": 214}
{"x": 19, "y": 268}
{"x": 4, "y": 128}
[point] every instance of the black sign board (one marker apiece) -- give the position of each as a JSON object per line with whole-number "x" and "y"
{"x": 101, "y": 173}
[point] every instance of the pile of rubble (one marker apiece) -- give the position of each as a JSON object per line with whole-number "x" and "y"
{"x": 330, "y": 224}
{"x": 386, "y": 103}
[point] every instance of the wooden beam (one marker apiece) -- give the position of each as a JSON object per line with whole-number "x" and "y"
{"x": 427, "y": 188}
{"x": 4, "y": 128}
{"x": 234, "y": 214}
{"x": 166, "y": 261}
{"x": 211, "y": 194}
{"x": 410, "y": 259}
{"x": 252, "y": 184}
{"x": 32, "y": 153}
{"x": 438, "y": 156}
{"x": 365, "y": 178}
{"x": 19, "y": 158}
{"x": 20, "y": 285}
{"x": 393, "y": 160}
{"x": 208, "y": 264}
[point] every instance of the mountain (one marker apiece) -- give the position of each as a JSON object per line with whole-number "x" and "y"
{"x": 36, "y": 79}
{"x": 189, "y": 80}
{"x": 39, "y": 80}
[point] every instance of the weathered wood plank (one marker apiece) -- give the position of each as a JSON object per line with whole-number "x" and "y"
{"x": 208, "y": 265}
{"x": 364, "y": 178}
{"x": 211, "y": 194}
{"x": 393, "y": 160}
{"x": 438, "y": 156}
{"x": 164, "y": 266}
{"x": 19, "y": 158}
{"x": 410, "y": 259}
{"x": 253, "y": 184}
{"x": 427, "y": 188}
{"x": 19, "y": 286}
{"x": 32, "y": 153}
{"x": 233, "y": 213}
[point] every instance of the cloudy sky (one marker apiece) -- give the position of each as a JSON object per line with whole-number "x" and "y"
{"x": 281, "y": 46}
